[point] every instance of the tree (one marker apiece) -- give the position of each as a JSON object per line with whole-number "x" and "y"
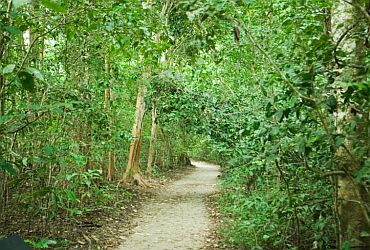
{"x": 133, "y": 172}
{"x": 352, "y": 194}
{"x": 153, "y": 136}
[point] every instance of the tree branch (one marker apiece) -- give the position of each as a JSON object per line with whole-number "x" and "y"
{"x": 274, "y": 65}
{"x": 26, "y": 124}
{"x": 348, "y": 30}
{"x": 32, "y": 44}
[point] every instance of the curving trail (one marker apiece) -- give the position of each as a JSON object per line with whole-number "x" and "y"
{"x": 177, "y": 217}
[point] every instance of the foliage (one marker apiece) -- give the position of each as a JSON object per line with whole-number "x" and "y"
{"x": 258, "y": 86}
{"x": 273, "y": 128}
{"x": 68, "y": 80}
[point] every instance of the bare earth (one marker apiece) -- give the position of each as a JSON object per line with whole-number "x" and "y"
{"x": 177, "y": 217}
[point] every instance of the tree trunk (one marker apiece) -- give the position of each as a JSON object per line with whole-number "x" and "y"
{"x": 133, "y": 173}
{"x": 107, "y": 101}
{"x": 352, "y": 196}
{"x": 153, "y": 135}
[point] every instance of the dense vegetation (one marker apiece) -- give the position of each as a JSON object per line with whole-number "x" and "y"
{"x": 277, "y": 92}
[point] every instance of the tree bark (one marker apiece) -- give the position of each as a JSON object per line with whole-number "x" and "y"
{"x": 153, "y": 139}
{"x": 133, "y": 173}
{"x": 353, "y": 199}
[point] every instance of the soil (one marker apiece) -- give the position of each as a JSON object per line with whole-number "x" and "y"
{"x": 176, "y": 217}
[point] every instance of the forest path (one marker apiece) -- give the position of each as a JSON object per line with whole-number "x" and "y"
{"x": 177, "y": 217}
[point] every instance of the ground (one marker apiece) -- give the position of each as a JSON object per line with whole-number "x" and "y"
{"x": 176, "y": 217}
{"x": 178, "y": 213}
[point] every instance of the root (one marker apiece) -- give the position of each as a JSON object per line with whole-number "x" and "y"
{"x": 135, "y": 179}
{"x": 139, "y": 180}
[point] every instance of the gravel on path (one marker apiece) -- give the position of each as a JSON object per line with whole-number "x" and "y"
{"x": 177, "y": 217}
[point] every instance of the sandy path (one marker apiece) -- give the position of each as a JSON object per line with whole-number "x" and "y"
{"x": 176, "y": 218}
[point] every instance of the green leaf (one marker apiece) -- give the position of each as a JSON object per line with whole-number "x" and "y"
{"x": 347, "y": 245}
{"x": 8, "y": 69}
{"x": 42, "y": 243}
{"x": 301, "y": 145}
{"x": 339, "y": 140}
{"x": 19, "y": 3}
{"x": 364, "y": 234}
{"x": 71, "y": 195}
{"x": 264, "y": 91}
{"x": 27, "y": 80}
{"x": 3, "y": 119}
{"x": 88, "y": 182}
{"x": 35, "y": 72}
{"x": 53, "y": 6}
{"x": 364, "y": 172}
{"x": 291, "y": 103}
{"x": 48, "y": 150}
{"x": 70, "y": 176}
{"x": 279, "y": 115}
{"x": 8, "y": 168}
{"x": 13, "y": 30}
{"x": 275, "y": 130}
{"x": 76, "y": 212}
{"x": 49, "y": 241}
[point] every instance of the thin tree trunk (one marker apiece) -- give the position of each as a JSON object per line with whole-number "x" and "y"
{"x": 133, "y": 173}
{"x": 112, "y": 155}
{"x": 107, "y": 102}
{"x": 153, "y": 139}
{"x": 111, "y": 166}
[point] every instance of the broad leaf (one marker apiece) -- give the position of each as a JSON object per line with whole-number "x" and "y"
{"x": 13, "y": 30}
{"x": 35, "y": 72}
{"x": 339, "y": 140}
{"x": 8, "y": 69}
{"x": 8, "y": 168}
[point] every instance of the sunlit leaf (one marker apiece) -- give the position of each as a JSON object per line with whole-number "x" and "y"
{"x": 19, "y": 3}
{"x": 71, "y": 195}
{"x": 35, "y": 72}
{"x": 364, "y": 234}
{"x": 70, "y": 176}
{"x": 8, "y": 69}
{"x": 52, "y": 5}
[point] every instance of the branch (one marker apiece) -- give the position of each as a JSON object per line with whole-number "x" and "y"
{"x": 32, "y": 44}
{"x": 277, "y": 69}
{"x": 349, "y": 29}
{"x": 26, "y": 124}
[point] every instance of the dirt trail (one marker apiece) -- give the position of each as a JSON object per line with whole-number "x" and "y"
{"x": 176, "y": 218}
